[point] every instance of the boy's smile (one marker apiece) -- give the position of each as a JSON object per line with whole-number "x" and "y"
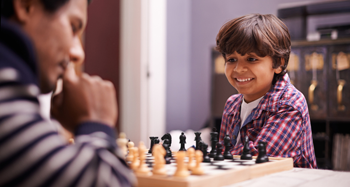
{"x": 250, "y": 74}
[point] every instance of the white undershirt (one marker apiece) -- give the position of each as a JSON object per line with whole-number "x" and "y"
{"x": 246, "y": 109}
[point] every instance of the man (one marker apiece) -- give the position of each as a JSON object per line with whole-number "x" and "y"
{"x": 39, "y": 42}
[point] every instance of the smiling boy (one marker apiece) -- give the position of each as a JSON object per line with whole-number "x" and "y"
{"x": 268, "y": 107}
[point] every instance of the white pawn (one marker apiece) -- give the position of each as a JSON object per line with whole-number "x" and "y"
{"x": 181, "y": 170}
{"x": 122, "y": 142}
{"x": 198, "y": 170}
{"x": 130, "y": 155}
{"x": 190, "y": 154}
{"x": 135, "y": 161}
{"x": 159, "y": 152}
{"x": 142, "y": 169}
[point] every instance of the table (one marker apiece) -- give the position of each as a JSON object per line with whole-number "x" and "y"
{"x": 300, "y": 177}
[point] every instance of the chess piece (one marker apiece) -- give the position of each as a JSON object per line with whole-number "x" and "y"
{"x": 219, "y": 155}
{"x": 135, "y": 161}
{"x": 167, "y": 136}
{"x": 227, "y": 142}
{"x": 153, "y": 138}
{"x": 166, "y": 146}
{"x": 142, "y": 169}
{"x": 182, "y": 142}
{"x": 181, "y": 170}
{"x": 158, "y": 153}
{"x": 262, "y": 157}
{"x": 190, "y": 154}
{"x": 213, "y": 140}
{"x": 246, "y": 151}
{"x": 204, "y": 150}
{"x": 130, "y": 155}
{"x": 121, "y": 142}
{"x": 156, "y": 141}
{"x": 198, "y": 170}
{"x": 197, "y": 139}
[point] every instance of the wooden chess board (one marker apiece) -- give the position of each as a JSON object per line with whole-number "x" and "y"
{"x": 217, "y": 173}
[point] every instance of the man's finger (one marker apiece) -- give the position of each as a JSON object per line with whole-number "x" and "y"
{"x": 70, "y": 74}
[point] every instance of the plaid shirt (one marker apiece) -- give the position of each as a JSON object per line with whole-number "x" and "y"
{"x": 281, "y": 119}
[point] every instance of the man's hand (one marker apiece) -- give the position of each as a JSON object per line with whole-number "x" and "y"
{"x": 84, "y": 98}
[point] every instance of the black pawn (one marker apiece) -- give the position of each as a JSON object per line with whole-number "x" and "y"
{"x": 219, "y": 155}
{"x": 262, "y": 153}
{"x": 153, "y": 138}
{"x": 204, "y": 148}
{"x": 213, "y": 140}
{"x": 246, "y": 151}
{"x": 182, "y": 142}
{"x": 197, "y": 139}
{"x": 227, "y": 142}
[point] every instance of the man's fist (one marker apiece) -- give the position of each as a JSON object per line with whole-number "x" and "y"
{"x": 84, "y": 98}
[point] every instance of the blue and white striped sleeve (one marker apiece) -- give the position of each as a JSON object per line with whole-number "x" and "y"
{"x": 32, "y": 153}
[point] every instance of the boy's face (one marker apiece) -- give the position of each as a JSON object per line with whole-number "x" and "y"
{"x": 250, "y": 74}
{"x": 55, "y": 37}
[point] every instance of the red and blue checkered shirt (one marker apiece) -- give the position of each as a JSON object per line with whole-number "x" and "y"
{"x": 281, "y": 119}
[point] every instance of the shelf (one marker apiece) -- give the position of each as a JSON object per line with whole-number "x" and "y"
{"x": 300, "y": 43}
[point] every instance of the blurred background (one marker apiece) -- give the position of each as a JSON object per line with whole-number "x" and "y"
{"x": 160, "y": 56}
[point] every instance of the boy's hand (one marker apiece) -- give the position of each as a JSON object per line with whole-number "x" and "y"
{"x": 84, "y": 98}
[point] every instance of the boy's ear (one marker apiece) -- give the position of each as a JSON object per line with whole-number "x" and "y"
{"x": 22, "y": 9}
{"x": 279, "y": 69}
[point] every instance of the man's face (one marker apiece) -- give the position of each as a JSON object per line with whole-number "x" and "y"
{"x": 56, "y": 39}
{"x": 250, "y": 74}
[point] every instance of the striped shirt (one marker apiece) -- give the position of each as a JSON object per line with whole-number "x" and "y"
{"x": 32, "y": 153}
{"x": 281, "y": 119}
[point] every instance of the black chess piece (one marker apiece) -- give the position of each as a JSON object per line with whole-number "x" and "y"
{"x": 153, "y": 138}
{"x": 166, "y": 146}
{"x": 227, "y": 142}
{"x": 262, "y": 157}
{"x": 219, "y": 155}
{"x": 182, "y": 142}
{"x": 246, "y": 151}
{"x": 197, "y": 139}
{"x": 204, "y": 148}
{"x": 156, "y": 141}
{"x": 213, "y": 140}
{"x": 167, "y": 136}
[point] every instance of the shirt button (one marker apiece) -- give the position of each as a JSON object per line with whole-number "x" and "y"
{"x": 234, "y": 137}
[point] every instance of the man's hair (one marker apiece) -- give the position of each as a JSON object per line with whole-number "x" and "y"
{"x": 50, "y": 6}
{"x": 259, "y": 34}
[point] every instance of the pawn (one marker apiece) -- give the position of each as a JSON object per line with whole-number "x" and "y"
{"x": 181, "y": 170}
{"x": 135, "y": 161}
{"x": 142, "y": 169}
{"x": 204, "y": 150}
{"x": 262, "y": 157}
{"x": 190, "y": 154}
{"x": 227, "y": 142}
{"x": 158, "y": 152}
{"x": 121, "y": 142}
{"x": 130, "y": 155}
{"x": 198, "y": 170}
{"x": 246, "y": 151}
{"x": 219, "y": 155}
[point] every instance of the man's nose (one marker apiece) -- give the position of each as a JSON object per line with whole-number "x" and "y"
{"x": 76, "y": 52}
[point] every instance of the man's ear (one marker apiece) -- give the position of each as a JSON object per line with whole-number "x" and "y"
{"x": 22, "y": 9}
{"x": 279, "y": 69}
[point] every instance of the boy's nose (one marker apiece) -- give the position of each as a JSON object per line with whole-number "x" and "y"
{"x": 239, "y": 67}
{"x": 76, "y": 52}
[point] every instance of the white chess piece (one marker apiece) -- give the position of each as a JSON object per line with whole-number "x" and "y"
{"x": 130, "y": 155}
{"x": 142, "y": 169}
{"x": 135, "y": 161}
{"x": 181, "y": 170}
{"x": 159, "y": 152}
{"x": 122, "y": 142}
{"x": 190, "y": 154}
{"x": 198, "y": 170}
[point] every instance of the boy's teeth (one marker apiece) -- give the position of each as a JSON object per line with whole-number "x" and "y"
{"x": 244, "y": 80}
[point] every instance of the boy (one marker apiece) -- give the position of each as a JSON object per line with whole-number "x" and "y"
{"x": 268, "y": 107}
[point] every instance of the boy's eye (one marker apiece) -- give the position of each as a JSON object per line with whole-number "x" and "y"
{"x": 252, "y": 59}
{"x": 74, "y": 28}
{"x": 230, "y": 60}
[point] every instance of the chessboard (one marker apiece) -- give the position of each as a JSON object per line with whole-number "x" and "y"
{"x": 216, "y": 173}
